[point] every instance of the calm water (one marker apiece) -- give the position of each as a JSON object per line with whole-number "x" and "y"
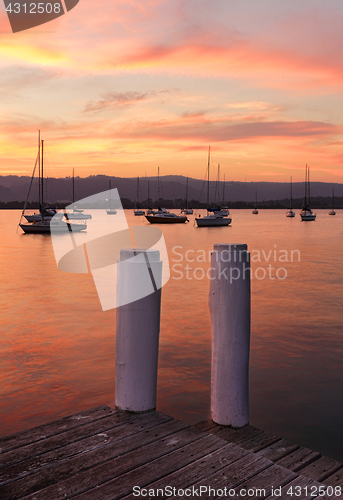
{"x": 57, "y": 345}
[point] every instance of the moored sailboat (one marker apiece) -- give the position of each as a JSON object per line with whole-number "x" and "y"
{"x": 332, "y": 211}
{"x": 306, "y": 213}
{"x": 215, "y": 216}
{"x": 290, "y": 212}
{"x": 137, "y": 210}
{"x": 49, "y": 223}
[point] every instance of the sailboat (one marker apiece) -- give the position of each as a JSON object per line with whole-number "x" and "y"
{"x": 306, "y": 213}
{"x": 187, "y": 210}
{"x": 214, "y": 216}
{"x": 137, "y": 210}
{"x": 290, "y": 212}
{"x": 255, "y": 211}
{"x": 111, "y": 211}
{"x": 332, "y": 211}
{"x": 47, "y": 218}
{"x": 77, "y": 213}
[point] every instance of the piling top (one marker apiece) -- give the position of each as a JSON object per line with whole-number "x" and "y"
{"x": 129, "y": 253}
{"x": 230, "y": 247}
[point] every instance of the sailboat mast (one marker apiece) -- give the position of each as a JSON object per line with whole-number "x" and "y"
{"x": 42, "y": 175}
{"x": 308, "y": 183}
{"x": 187, "y": 193}
{"x": 39, "y": 181}
{"x": 223, "y": 190}
{"x": 137, "y": 195}
{"x": 291, "y": 195}
{"x": 73, "y": 187}
{"x": 158, "y": 185}
{"x": 305, "y": 200}
{"x": 208, "y": 176}
{"x": 110, "y": 192}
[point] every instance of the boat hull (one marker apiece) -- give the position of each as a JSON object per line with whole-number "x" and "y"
{"x": 156, "y": 219}
{"x": 213, "y": 222}
{"x": 308, "y": 217}
{"x": 77, "y": 216}
{"x": 46, "y": 229}
{"x": 111, "y": 212}
{"x": 290, "y": 214}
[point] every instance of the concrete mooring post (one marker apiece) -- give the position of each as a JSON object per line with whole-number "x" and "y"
{"x": 139, "y": 278}
{"x": 229, "y": 302}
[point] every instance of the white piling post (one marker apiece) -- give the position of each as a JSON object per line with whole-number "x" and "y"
{"x": 229, "y": 303}
{"x": 137, "y": 329}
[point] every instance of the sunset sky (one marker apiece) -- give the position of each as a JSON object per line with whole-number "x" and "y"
{"x": 122, "y": 87}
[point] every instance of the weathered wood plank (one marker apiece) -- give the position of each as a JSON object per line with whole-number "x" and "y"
{"x": 264, "y": 482}
{"x": 120, "y": 466}
{"x": 205, "y": 425}
{"x": 25, "y": 437}
{"x": 236, "y": 436}
{"x": 278, "y": 450}
{"x": 148, "y": 426}
{"x": 321, "y": 468}
{"x": 154, "y": 470}
{"x": 335, "y": 479}
{"x": 258, "y": 441}
{"x": 70, "y": 436}
{"x": 298, "y": 459}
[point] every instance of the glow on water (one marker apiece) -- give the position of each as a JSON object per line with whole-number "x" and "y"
{"x": 57, "y": 345}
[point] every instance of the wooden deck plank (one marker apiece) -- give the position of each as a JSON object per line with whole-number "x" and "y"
{"x": 79, "y": 456}
{"x": 335, "y": 479}
{"x": 121, "y": 465}
{"x": 278, "y": 450}
{"x": 258, "y": 441}
{"x": 28, "y": 436}
{"x": 154, "y": 470}
{"x": 298, "y": 459}
{"x": 70, "y": 436}
{"x": 321, "y": 468}
{"x": 236, "y": 436}
{"x": 205, "y": 425}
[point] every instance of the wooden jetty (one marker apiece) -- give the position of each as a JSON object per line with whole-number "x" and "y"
{"x": 103, "y": 453}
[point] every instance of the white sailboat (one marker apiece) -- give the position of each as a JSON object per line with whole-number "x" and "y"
{"x": 214, "y": 216}
{"x": 111, "y": 211}
{"x": 306, "y": 213}
{"x": 290, "y": 212}
{"x": 77, "y": 213}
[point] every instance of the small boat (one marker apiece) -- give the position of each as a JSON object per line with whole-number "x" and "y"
{"x": 77, "y": 213}
{"x": 111, "y": 211}
{"x": 332, "y": 211}
{"x": 255, "y": 211}
{"x": 215, "y": 217}
{"x": 187, "y": 211}
{"x": 162, "y": 216}
{"x": 306, "y": 213}
{"x": 290, "y": 212}
{"x": 52, "y": 226}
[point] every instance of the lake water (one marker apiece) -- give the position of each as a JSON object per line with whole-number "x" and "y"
{"x": 57, "y": 349}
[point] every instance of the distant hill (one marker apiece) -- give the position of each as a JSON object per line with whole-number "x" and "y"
{"x": 172, "y": 187}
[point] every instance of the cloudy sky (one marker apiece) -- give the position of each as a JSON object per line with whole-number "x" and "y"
{"x": 122, "y": 87}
